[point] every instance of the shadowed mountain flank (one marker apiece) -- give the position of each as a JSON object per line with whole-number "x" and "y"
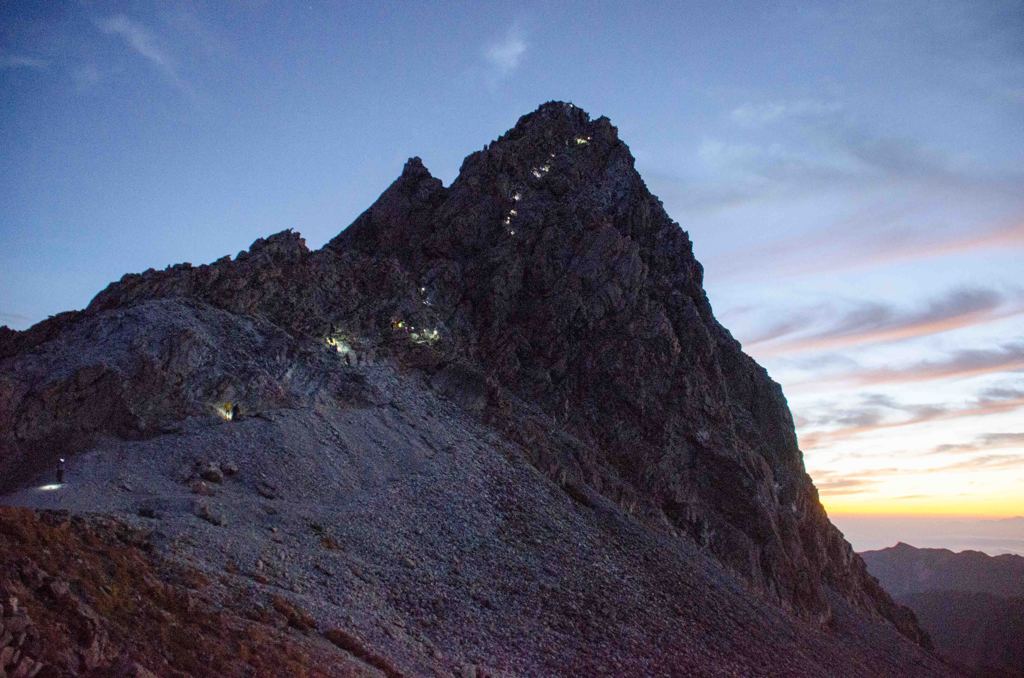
{"x": 906, "y": 569}
{"x": 526, "y": 362}
{"x": 971, "y": 603}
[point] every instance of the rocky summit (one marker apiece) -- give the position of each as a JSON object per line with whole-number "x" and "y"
{"x": 490, "y": 429}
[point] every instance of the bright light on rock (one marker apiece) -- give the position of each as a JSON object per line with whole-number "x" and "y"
{"x": 339, "y": 344}
{"x": 427, "y": 336}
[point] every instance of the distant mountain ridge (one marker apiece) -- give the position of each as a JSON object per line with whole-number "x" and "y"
{"x": 970, "y": 603}
{"x": 905, "y": 569}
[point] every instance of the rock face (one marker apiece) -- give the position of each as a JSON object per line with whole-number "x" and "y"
{"x": 545, "y": 292}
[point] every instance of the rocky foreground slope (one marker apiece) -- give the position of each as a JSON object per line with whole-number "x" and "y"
{"x": 489, "y": 428}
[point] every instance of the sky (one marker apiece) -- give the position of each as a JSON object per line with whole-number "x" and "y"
{"x": 850, "y": 173}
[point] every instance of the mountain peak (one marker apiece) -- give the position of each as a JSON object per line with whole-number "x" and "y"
{"x": 554, "y": 113}
{"x": 562, "y": 123}
{"x": 550, "y": 266}
{"x": 546, "y": 292}
{"x": 414, "y": 168}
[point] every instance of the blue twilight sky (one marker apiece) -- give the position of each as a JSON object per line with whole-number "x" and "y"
{"x": 851, "y": 174}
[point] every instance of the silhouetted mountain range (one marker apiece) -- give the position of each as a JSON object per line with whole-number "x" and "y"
{"x": 905, "y": 569}
{"x": 971, "y": 604}
{"x": 489, "y": 429}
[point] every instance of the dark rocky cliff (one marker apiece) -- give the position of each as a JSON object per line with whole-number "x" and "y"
{"x": 546, "y": 291}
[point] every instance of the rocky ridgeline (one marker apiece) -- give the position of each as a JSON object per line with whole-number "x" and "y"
{"x": 546, "y": 291}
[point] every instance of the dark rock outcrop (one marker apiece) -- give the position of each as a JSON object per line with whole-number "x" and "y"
{"x": 546, "y": 290}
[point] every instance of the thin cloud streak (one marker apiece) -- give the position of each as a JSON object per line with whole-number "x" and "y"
{"x": 842, "y": 486}
{"x": 821, "y": 152}
{"x": 837, "y": 483}
{"x": 986, "y": 441}
{"x": 989, "y": 461}
{"x": 14, "y": 317}
{"x": 13, "y": 61}
{"x": 759, "y": 114}
{"x": 866, "y": 481}
{"x": 140, "y": 39}
{"x": 964, "y": 363}
{"x": 835, "y": 153}
{"x": 1007, "y": 236}
{"x": 858, "y": 422}
{"x": 872, "y": 323}
{"x": 957, "y": 365}
{"x": 836, "y": 249}
{"x": 820, "y": 439}
{"x": 504, "y": 56}
{"x": 795, "y": 323}
{"x": 86, "y": 76}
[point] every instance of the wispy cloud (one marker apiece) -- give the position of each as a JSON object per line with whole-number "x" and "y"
{"x": 916, "y": 244}
{"x": 873, "y": 414}
{"x": 145, "y": 43}
{"x": 989, "y": 461}
{"x": 866, "y": 481}
{"x": 12, "y": 61}
{"x": 822, "y": 149}
{"x": 849, "y": 485}
{"x": 874, "y": 322}
{"x": 1008, "y": 358}
{"x": 835, "y": 483}
{"x": 985, "y": 441}
{"x": 766, "y": 113}
{"x": 504, "y": 56}
{"x": 7, "y": 317}
{"x": 1002, "y": 235}
{"x": 85, "y": 76}
{"x": 964, "y": 363}
{"x": 875, "y": 196}
{"x": 854, "y": 244}
{"x": 795, "y": 322}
